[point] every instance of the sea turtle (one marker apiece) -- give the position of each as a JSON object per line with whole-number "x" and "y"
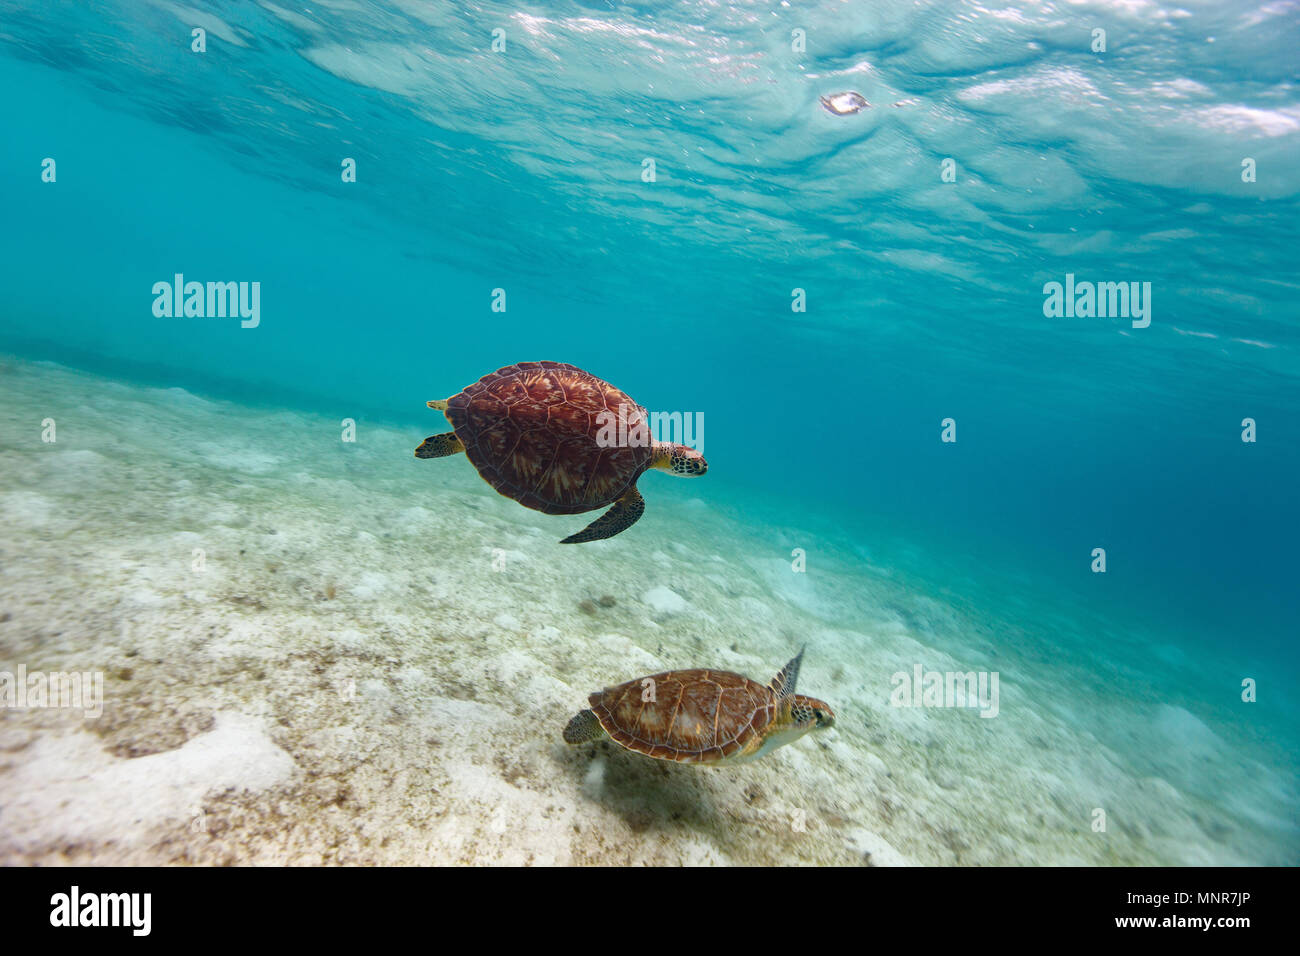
{"x": 560, "y": 441}
{"x": 702, "y": 716}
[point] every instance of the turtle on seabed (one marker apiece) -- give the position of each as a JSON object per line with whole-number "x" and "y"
{"x": 702, "y": 716}
{"x": 534, "y": 432}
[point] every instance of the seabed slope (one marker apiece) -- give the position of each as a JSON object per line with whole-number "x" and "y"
{"x": 375, "y": 661}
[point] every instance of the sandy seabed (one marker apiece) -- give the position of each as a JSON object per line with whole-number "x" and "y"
{"x": 319, "y": 652}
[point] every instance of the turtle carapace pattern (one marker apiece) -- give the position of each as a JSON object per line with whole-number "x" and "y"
{"x": 559, "y": 440}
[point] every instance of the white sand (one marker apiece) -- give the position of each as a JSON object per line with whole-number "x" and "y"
{"x": 377, "y": 657}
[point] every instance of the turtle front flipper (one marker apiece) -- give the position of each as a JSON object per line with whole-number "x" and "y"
{"x": 784, "y": 682}
{"x": 440, "y": 446}
{"x": 618, "y": 518}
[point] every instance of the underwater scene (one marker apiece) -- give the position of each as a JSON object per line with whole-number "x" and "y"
{"x": 680, "y": 433}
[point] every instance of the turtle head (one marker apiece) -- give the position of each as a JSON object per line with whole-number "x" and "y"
{"x": 797, "y": 716}
{"x": 809, "y": 713}
{"x": 679, "y": 460}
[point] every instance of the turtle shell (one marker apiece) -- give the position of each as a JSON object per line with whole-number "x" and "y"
{"x": 696, "y": 716}
{"x": 531, "y": 431}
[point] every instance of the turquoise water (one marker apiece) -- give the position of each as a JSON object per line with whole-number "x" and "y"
{"x": 523, "y": 169}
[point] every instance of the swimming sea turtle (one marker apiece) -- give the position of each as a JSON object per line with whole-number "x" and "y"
{"x": 560, "y": 441}
{"x": 702, "y": 716}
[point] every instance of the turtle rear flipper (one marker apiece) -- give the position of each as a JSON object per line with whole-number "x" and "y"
{"x": 440, "y": 446}
{"x": 583, "y": 727}
{"x": 618, "y": 518}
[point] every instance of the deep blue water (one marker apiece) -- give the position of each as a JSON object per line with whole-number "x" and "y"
{"x": 522, "y": 170}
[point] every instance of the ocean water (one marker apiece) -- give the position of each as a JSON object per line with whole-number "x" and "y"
{"x": 315, "y": 649}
